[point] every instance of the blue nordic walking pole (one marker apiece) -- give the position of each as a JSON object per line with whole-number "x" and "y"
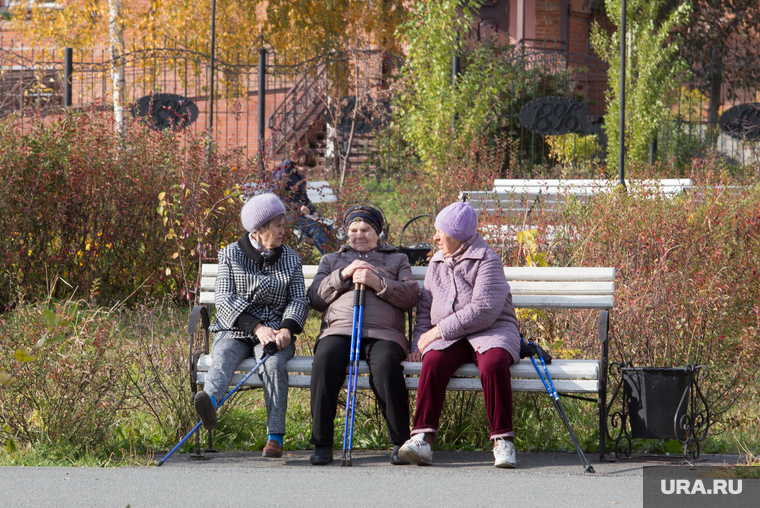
{"x": 351, "y": 348}
{"x": 353, "y": 374}
{"x": 549, "y": 385}
{"x": 269, "y": 350}
{"x": 356, "y": 370}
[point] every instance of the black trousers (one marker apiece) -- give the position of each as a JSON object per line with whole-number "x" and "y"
{"x": 386, "y": 379}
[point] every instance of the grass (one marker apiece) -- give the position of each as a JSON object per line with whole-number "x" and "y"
{"x": 137, "y": 435}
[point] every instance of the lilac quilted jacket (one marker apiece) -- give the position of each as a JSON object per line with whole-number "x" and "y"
{"x": 472, "y": 302}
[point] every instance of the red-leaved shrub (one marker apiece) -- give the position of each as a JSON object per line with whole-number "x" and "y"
{"x": 86, "y": 204}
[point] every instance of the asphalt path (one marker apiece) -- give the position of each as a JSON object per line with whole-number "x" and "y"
{"x": 456, "y": 479}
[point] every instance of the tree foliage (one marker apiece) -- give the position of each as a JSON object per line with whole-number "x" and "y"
{"x": 320, "y": 26}
{"x": 721, "y": 43}
{"x": 653, "y": 71}
{"x": 290, "y": 26}
{"x": 433, "y": 113}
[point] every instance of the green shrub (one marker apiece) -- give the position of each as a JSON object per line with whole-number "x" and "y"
{"x": 61, "y": 392}
{"x": 106, "y": 382}
{"x": 652, "y": 74}
{"x": 574, "y": 148}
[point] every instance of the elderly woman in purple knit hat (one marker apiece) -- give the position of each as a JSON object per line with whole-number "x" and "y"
{"x": 260, "y": 298}
{"x": 464, "y": 314}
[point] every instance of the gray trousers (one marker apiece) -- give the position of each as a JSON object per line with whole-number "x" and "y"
{"x": 227, "y": 353}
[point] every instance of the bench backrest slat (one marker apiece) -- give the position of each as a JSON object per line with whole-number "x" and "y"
{"x": 532, "y": 287}
{"x": 505, "y": 185}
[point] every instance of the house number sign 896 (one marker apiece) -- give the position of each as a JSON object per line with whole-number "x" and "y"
{"x": 553, "y": 115}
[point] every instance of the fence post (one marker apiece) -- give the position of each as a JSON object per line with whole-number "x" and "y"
{"x": 211, "y": 71}
{"x": 621, "y": 161}
{"x": 262, "y": 98}
{"x": 68, "y": 72}
{"x": 454, "y": 72}
{"x": 653, "y": 151}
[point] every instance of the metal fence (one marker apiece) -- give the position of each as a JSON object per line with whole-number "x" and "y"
{"x": 301, "y": 94}
{"x": 547, "y": 71}
{"x": 694, "y": 128}
{"x": 295, "y": 96}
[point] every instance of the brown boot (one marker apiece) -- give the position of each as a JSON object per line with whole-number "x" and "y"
{"x": 273, "y": 450}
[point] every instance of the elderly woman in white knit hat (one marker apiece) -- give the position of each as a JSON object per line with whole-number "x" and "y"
{"x": 260, "y": 298}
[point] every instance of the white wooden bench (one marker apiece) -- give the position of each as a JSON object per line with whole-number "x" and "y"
{"x": 521, "y": 196}
{"x": 320, "y": 192}
{"x": 532, "y": 288}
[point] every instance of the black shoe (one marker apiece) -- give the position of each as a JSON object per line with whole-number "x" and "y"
{"x": 395, "y": 459}
{"x": 205, "y": 409}
{"x": 321, "y": 455}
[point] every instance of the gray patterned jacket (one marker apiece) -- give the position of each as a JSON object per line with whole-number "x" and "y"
{"x": 252, "y": 288}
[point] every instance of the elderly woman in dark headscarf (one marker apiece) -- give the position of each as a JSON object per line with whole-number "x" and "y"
{"x": 390, "y": 291}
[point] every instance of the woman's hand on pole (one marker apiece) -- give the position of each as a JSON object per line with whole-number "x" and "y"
{"x": 348, "y": 272}
{"x": 264, "y": 334}
{"x": 283, "y": 338}
{"x": 369, "y": 278}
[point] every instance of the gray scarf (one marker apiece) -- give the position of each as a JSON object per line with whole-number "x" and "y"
{"x": 452, "y": 260}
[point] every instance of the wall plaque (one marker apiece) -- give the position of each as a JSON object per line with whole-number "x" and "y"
{"x": 553, "y": 115}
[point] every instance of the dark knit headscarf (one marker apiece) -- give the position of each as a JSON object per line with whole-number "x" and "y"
{"x": 365, "y": 213}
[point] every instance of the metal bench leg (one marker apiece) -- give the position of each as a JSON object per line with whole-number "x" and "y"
{"x": 201, "y": 313}
{"x": 604, "y": 328}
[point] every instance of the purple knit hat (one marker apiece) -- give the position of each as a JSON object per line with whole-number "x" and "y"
{"x": 458, "y": 220}
{"x": 259, "y": 210}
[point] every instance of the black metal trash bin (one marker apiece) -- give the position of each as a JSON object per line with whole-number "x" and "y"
{"x": 657, "y": 402}
{"x": 418, "y": 252}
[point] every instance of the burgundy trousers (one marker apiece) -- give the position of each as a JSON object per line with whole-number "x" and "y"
{"x": 437, "y": 369}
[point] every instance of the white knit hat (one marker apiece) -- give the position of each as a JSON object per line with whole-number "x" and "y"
{"x": 259, "y": 210}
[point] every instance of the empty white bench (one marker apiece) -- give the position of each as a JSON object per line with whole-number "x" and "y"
{"x": 532, "y": 288}
{"x": 522, "y": 196}
{"x": 320, "y": 192}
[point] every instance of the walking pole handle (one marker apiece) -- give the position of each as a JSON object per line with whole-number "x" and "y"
{"x": 270, "y": 348}
{"x": 554, "y": 393}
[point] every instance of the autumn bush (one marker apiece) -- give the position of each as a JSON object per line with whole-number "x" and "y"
{"x": 68, "y": 392}
{"x": 101, "y": 214}
{"x": 104, "y": 381}
{"x": 687, "y": 285}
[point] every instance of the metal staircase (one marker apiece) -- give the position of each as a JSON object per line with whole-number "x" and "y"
{"x": 300, "y": 117}
{"x": 298, "y": 112}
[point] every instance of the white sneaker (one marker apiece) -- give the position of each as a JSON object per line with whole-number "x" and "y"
{"x": 417, "y": 451}
{"x": 504, "y": 453}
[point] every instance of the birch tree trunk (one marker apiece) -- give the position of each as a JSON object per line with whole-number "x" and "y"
{"x": 116, "y": 36}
